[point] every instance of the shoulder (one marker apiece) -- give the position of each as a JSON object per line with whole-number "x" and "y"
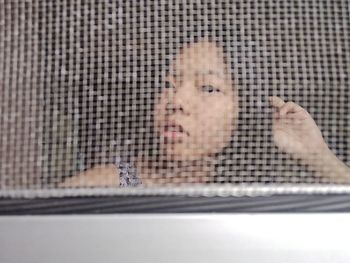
{"x": 98, "y": 176}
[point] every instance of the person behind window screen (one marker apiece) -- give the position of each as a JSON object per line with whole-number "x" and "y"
{"x": 195, "y": 116}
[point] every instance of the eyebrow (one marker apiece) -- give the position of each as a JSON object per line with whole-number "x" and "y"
{"x": 204, "y": 72}
{"x": 210, "y": 72}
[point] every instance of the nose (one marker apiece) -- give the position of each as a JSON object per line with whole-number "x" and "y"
{"x": 179, "y": 100}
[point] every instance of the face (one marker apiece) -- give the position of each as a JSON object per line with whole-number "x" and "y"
{"x": 198, "y": 107}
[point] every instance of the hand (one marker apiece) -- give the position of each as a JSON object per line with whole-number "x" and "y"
{"x": 296, "y": 133}
{"x": 294, "y": 130}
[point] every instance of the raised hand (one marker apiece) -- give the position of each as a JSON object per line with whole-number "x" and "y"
{"x": 295, "y": 132}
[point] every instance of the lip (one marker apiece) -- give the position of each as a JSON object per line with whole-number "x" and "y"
{"x": 174, "y": 132}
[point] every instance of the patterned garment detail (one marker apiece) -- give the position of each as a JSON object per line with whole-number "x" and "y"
{"x": 127, "y": 173}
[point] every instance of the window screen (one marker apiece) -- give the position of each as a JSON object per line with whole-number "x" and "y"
{"x": 159, "y": 97}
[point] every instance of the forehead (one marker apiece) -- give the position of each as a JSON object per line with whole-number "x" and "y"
{"x": 201, "y": 56}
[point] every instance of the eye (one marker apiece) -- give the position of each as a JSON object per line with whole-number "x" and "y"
{"x": 168, "y": 85}
{"x": 209, "y": 89}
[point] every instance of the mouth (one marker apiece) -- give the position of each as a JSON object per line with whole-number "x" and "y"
{"x": 174, "y": 132}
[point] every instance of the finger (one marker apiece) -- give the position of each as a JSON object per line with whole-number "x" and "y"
{"x": 276, "y": 102}
{"x": 275, "y": 115}
{"x": 289, "y": 107}
{"x": 288, "y": 121}
{"x": 298, "y": 116}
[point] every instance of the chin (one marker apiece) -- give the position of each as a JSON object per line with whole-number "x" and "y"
{"x": 180, "y": 155}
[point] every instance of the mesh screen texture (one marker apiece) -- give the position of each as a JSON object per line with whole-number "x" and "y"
{"x": 151, "y": 96}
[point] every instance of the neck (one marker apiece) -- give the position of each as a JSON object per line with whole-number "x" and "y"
{"x": 154, "y": 171}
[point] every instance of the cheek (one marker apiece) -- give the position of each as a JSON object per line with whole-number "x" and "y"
{"x": 215, "y": 123}
{"x": 160, "y": 110}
